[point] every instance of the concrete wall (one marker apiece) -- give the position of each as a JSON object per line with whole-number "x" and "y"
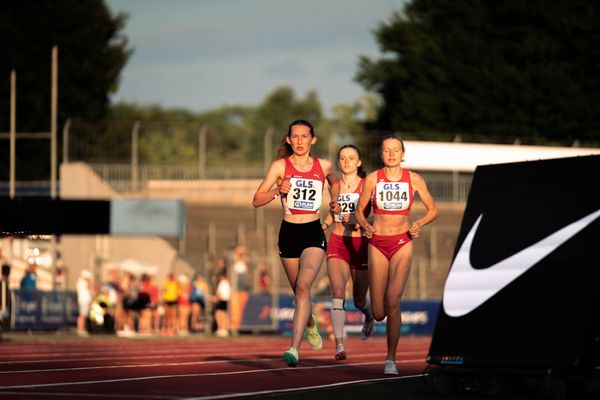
{"x": 79, "y": 252}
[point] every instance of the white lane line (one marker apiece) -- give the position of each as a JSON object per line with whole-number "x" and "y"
{"x": 62, "y": 395}
{"x": 102, "y": 348}
{"x": 161, "y": 351}
{"x": 326, "y": 386}
{"x": 212, "y": 397}
{"x": 120, "y": 356}
{"x": 224, "y": 361}
{"x": 142, "y": 378}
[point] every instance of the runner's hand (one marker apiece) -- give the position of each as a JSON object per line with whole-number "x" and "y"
{"x": 284, "y": 186}
{"x": 369, "y": 230}
{"x": 415, "y": 229}
{"x": 335, "y": 207}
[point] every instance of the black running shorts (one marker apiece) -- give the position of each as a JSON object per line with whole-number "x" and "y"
{"x": 294, "y": 238}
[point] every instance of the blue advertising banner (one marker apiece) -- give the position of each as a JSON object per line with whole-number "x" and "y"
{"x": 43, "y": 310}
{"x": 418, "y": 316}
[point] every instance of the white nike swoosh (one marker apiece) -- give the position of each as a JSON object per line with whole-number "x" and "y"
{"x": 467, "y": 288}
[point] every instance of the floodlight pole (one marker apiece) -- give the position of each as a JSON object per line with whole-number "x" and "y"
{"x": 202, "y": 152}
{"x": 134, "y": 156}
{"x": 13, "y": 130}
{"x": 53, "y": 150}
{"x": 66, "y": 141}
{"x": 53, "y": 122}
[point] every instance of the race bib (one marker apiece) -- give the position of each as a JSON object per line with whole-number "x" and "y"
{"x": 392, "y": 196}
{"x": 305, "y": 194}
{"x": 348, "y": 202}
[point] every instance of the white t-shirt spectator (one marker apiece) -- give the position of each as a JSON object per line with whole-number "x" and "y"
{"x": 223, "y": 290}
{"x": 84, "y": 295}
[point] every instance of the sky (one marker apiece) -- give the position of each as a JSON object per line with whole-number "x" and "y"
{"x": 203, "y": 54}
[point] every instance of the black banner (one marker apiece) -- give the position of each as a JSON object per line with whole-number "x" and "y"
{"x": 524, "y": 285}
{"x": 40, "y": 216}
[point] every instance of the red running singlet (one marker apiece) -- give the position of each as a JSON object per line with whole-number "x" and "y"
{"x": 393, "y": 197}
{"x": 306, "y": 194}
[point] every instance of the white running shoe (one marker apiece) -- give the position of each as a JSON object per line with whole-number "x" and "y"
{"x": 340, "y": 352}
{"x": 390, "y": 368}
{"x": 367, "y": 329}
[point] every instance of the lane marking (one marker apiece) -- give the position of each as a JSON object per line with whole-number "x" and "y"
{"x": 197, "y": 375}
{"x": 326, "y": 386}
{"x": 119, "y": 356}
{"x": 222, "y": 396}
{"x": 227, "y": 361}
{"x": 36, "y": 395}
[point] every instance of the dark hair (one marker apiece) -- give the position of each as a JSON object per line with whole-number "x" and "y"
{"x": 360, "y": 171}
{"x": 285, "y": 150}
{"x": 391, "y": 137}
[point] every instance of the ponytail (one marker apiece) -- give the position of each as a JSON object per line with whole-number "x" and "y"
{"x": 284, "y": 150}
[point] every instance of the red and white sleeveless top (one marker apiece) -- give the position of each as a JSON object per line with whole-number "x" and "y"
{"x": 306, "y": 193}
{"x": 348, "y": 202}
{"x": 393, "y": 197}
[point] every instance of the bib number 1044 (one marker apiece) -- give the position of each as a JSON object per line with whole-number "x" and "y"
{"x": 392, "y": 195}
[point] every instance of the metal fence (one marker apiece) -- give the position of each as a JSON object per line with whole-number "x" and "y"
{"x": 452, "y": 187}
{"x": 444, "y": 186}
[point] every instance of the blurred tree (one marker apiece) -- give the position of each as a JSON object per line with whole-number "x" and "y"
{"x": 347, "y": 125}
{"x": 489, "y": 69}
{"x": 277, "y": 111}
{"x": 92, "y": 53}
{"x": 235, "y": 136}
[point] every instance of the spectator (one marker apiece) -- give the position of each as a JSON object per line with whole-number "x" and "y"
{"x": 129, "y": 303}
{"x": 137, "y": 301}
{"x": 149, "y": 314}
{"x": 240, "y": 267}
{"x": 220, "y": 266}
{"x": 170, "y": 295}
{"x": 183, "y": 304}
{"x": 29, "y": 280}
{"x": 221, "y": 300}
{"x": 84, "y": 298}
{"x": 239, "y": 296}
{"x": 198, "y": 298}
{"x": 101, "y": 312}
{"x": 115, "y": 298}
{"x": 4, "y": 296}
{"x": 264, "y": 278}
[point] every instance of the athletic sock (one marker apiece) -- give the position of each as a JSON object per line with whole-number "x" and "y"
{"x": 338, "y": 317}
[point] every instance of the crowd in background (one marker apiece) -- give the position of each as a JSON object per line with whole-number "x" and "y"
{"x": 182, "y": 304}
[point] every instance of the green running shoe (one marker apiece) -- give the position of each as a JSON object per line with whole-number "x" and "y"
{"x": 291, "y": 357}
{"x": 313, "y": 337}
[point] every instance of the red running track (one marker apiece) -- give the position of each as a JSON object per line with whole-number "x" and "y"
{"x": 189, "y": 368}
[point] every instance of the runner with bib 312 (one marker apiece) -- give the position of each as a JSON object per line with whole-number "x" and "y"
{"x": 298, "y": 180}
